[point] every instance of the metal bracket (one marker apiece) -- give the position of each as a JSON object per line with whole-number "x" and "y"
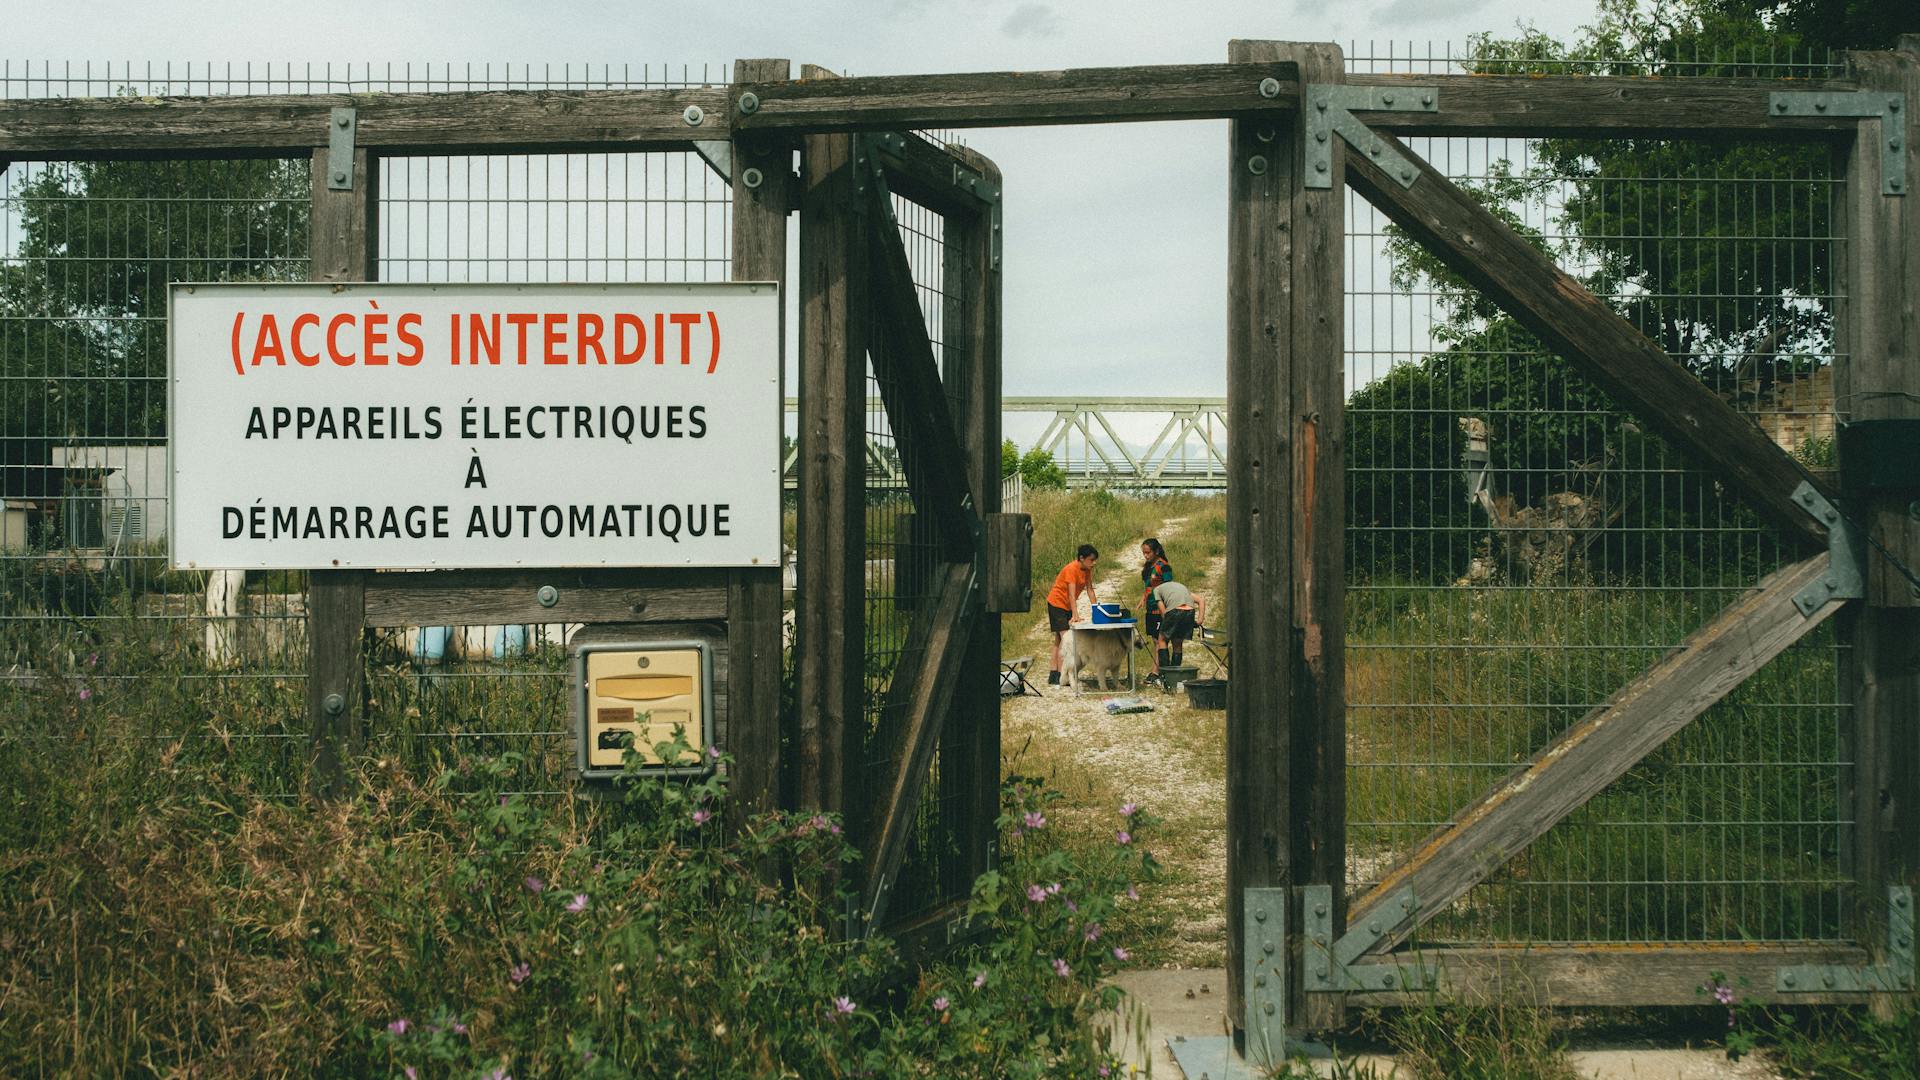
{"x": 1330, "y": 108}
{"x": 1332, "y": 966}
{"x": 718, "y": 154}
{"x": 342, "y": 125}
{"x": 1893, "y": 976}
{"x": 1264, "y": 968}
{"x": 1845, "y": 555}
{"x": 1862, "y": 103}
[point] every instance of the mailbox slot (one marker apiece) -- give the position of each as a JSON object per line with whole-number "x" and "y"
{"x": 635, "y": 693}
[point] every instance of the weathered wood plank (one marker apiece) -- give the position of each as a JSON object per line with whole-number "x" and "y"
{"x": 831, "y": 532}
{"x": 753, "y": 605}
{"x": 1615, "y": 975}
{"x": 925, "y": 173}
{"x": 343, "y": 245}
{"x": 920, "y": 697}
{"x": 491, "y": 121}
{"x": 970, "y": 757}
{"x": 1607, "y": 349}
{"x": 1015, "y": 98}
{"x": 510, "y": 597}
{"x": 1316, "y": 373}
{"x": 1009, "y": 584}
{"x": 917, "y": 408}
{"x": 1524, "y": 106}
{"x": 1596, "y": 751}
{"x": 1260, "y": 499}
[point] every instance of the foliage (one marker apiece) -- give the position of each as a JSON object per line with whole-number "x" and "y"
{"x": 444, "y": 923}
{"x": 82, "y": 309}
{"x": 1037, "y": 468}
{"x": 1502, "y": 1040}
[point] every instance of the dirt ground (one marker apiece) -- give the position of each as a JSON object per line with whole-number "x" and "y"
{"x": 1171, "y": 761}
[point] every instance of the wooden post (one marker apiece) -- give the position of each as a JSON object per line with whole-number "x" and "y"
{"x": 753, "y": 604}
{"x": 970, "y": 757}
{"x": 831, "y": 534}
{"x": 1878, "y": 379}
{"x": 1285, "y": 498}
{"x": 342, "y": 246}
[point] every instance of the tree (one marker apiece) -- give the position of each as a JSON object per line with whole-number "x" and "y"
{"x": 1037, "y": 468}
{"x": 83, "y": 309}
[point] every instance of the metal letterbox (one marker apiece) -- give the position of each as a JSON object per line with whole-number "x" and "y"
{"x": 636, "y": 693}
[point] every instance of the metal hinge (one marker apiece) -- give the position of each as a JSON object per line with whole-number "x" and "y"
{"x": 1264, "y": 958}
{"x": 1894, "y": 975}
{"x": 1332, "y": 966}
{"x": 1862, "y": 103}
{"x": 1330, "y": 109}
{"x": 1846, "y": 554}
{"x": 342, "y": 126}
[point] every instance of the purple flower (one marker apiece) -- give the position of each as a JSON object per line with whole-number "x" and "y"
{"x": 1123, "y": 838}
{"x": 940, "y": 1004}
{"x": 843, "y": 1006}
{"x": 578, "y": 903}
{"x": 458, "y": 1028}
{"x": 1060, "y": 968}
{"x": 1133, "y": 893}
{"x": 410, "y": 1073}
{"x": 499, "y": 1074}
{"x": 713, "y": 753}
{"x": 503, "y": 800}
{"x": 1093, "y": 931}
{"x": 1035, "y": 819}
{"x": 1072, "y": 908}
{"x": 93, "y": 658}
{"x": 1053, "y": 888}
{"x": 1723, "y": 994}
{"x": 534, "y": 884}
{"x": 398, "y": 1027}
{"x": 1036, "y": 894}
{"x": 519, "y": 972}
{"x": 1119, "y": 953}
{"x": 700, "y": 816}
{"x": 1129, "y": 809}
{"x": 980, "y": 980}
{"x": 86, "y": 692}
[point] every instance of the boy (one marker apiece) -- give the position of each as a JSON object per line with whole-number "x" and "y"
{"x": 1176, "y": 606}
{"x": 1073, "y": 579}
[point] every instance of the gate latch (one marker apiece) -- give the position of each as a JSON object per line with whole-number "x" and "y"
{"x": 1845, "y": 555}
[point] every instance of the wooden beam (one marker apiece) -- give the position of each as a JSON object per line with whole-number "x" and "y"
{"x": 1606, "y": 348}
{"x": 1017, "y": 98}
{"x": 490, "y": 121}
{"x": 1605, "y": 107}
{"x": 754, "y": 721}
{"x": 919, "y": 699}
{"x": 925, "y": 173}
{"x": 1594, "y": 752}
{"x": 970, "y": 324}
{"x": 909, "y": 378}
{"x": 1634, "y": 975}
{"x": 512, "y": 597}
{"x": 343, "y": 245}
{"x": 1877, "y": 379}
{"x": 831, "y": 532}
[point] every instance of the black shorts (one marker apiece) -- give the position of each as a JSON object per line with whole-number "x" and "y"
{"x": 1058, "y": 618}
{"x": 1177, "y": 625}
{"x": 1153, "y": 625}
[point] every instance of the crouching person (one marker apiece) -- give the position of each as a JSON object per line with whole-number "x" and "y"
{"x": 1180, "y": 612}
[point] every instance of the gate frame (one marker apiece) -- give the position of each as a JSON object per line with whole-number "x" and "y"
{"x": 1285, "y": 822}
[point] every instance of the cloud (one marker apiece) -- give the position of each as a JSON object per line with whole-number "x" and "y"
{"x": 1031, "y": 21}
{"x": 1417, "y": 12}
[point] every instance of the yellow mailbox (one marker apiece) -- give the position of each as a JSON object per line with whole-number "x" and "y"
{"x": 635, "y": 693}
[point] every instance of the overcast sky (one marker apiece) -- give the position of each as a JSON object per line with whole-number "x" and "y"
{"x": 1115, "y": 254}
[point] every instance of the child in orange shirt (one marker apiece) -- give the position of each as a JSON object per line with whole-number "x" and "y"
{"x": 1074, "y": 578}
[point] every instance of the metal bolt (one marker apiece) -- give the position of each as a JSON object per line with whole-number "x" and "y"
{"x": 1260, "y": 980}
{"x": 1319, "y": 166}
{"x": 1319, "y": 909}
{"x": 339, "y": 177}
{"x": 340, "y": 121}
{"x": 1779, "y": 106}
{"x": 693, "y": 115}
{"x": 1259, "y": 916}
{"x": 1893, "y": 104}
{"x": 1321, "y": 105}
{"x": 1264, "y": 133}
{"x": 1831, "y": 514}
{"x": 1387, "y": 979}
{"x": 1819, "y": 106}
{"x": 1788, "y": 980}
{"x": 1373, "y": 927}
{"x": 1269, "y": 88}
{"x": 1893, "y": 144}
{"x": 1826, "y": 980}
{"x": 749, "y": 103}
{"x": 1319, "y": 136}
{"x": 1828, "y": 584}
{"x": 1388, "y": 98}
{"x": 752, "y": 178}
{"x": 1374, "y": 150}
{"x": 1900, "y": 901}
{"x": 334, "y": 704}
{"x": 547, "y": 595}
{"x": 1257, "y": 164}
{"x": 1426, "y": 99}
{"x": 1894, "y": 183}
{"x": 1406, "y": 174}
{"x": 1267, "y": 1008}
{"x": 1267, "y": 948}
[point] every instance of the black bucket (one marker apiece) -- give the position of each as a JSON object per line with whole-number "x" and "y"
{"x": 1207, "y": 693}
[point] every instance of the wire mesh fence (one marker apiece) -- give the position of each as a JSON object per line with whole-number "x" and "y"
{"x": 1519, "y": 547}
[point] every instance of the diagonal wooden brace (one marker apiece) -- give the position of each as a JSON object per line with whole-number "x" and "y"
{"x": 1593, "y": 753}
